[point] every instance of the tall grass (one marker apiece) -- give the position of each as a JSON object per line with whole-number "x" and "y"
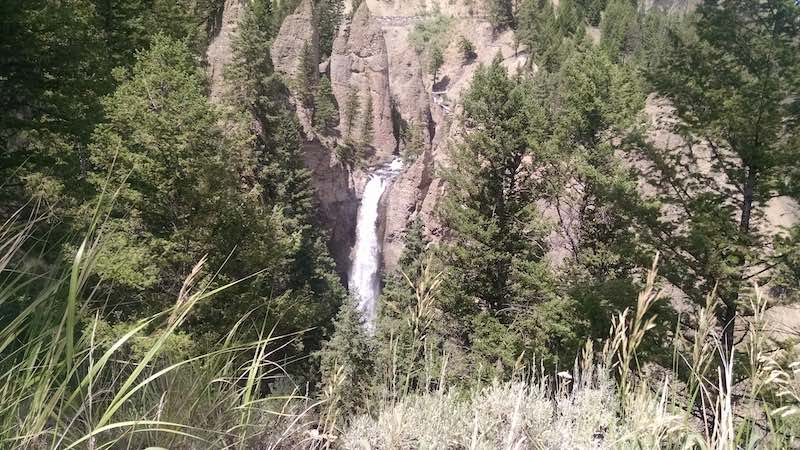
{"x": 61, "y": 387}
{"x": 64, "y": 384}
{"x": 609, "y": 399}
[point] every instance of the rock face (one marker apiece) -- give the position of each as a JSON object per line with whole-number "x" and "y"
{"x": 416, "y": 193}
{"x": 359, "y": 69}
{"x": 337, "y": 199}
{"x": 296, "y": 40}
{"x": 295, "y": 49}
{"x": 219, "y": 52}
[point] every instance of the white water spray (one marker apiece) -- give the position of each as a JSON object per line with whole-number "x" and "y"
{"x": 364, "y": 280}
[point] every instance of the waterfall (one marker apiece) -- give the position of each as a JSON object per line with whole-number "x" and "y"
{"x": 364, "y": 280}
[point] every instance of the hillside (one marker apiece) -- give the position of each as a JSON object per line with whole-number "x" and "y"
{"x": 380, "y": 224}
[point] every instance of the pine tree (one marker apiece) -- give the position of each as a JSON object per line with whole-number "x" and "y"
{"x": 405, "y": 325}
{"x": 347, "y": 363}
{"x": 568, "y": 17}
{"x": 436, "y": 62}
{"x": 272, "y": 168}
{"x": 398, "y": 293}
{"x": 501, "y": 14}
{"x": 546, "y": 36}
{"x": 53, "y": 75}
{"x": 413, "y": 138}
{"x": 734, "y": 84}
{"x": 593, "y": 100}
{"x": 325, "y": 113}
{"x": 351, "y": 112}
{"x": 305, "y": 82}
{"x": 163, "y": 148}
{"x": 620, "y": 28}
{"x": 366, "y": 134}
{"x": 329, "y": 15}
{"x": 498, "y": 282}
{"x": 592, "y": 10}
{"x": 251, "y": 80}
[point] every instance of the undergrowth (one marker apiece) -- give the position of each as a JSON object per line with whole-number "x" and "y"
{"x": 65, "y": 385}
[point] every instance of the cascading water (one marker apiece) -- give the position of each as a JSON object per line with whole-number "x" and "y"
{"x": 364, "y": 281}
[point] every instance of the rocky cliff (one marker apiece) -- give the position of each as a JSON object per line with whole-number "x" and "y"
{"x": 359, "y": 71}
{"x": 374, "y": 67}
{"x": 373, "y": 62}
{"x": 219, "y": 52}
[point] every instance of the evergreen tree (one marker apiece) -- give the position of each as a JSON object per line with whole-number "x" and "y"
{"x": 568, "y": 17}
{"x": 593, "y": 100}
{"x": 735, "y": 89}
{"x": 162, "y": 145}
{"x": 272, "y": 168}
{"x": 53, "y": 74}
{"x": 436, "y": 62}
{"x": 546, "y": 37}
{"x": 367, "y": 131}
{"x": 620, "y": 28}
{"x": 501, "y": 14}
{"x": 329, "y": 15}
{"x": 347, "y": 363}
{"x": 305, "y": 81}
{"x": 252, "y": 82}
{"x": 130, "y": 25}
{"x": 351, "y": 112}
{"x": 413, "y": 139}
{"x": 592, "y": 10}
{"x": 498, "y": 283}
{"x": 326, "y": 115}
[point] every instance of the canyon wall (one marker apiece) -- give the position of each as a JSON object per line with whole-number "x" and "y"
{"x": 373, "y": 59}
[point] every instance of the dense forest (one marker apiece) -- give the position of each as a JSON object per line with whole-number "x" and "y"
{"x": 602, "y": 267}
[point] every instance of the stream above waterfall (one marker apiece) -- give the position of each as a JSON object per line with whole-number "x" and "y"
{"x": 364, "y": 282}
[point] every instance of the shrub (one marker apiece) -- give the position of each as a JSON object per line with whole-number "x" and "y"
{"x": 467, "y": 49}
{"x": 433, "y": 32}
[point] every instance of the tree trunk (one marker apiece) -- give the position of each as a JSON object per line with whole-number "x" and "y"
{"x": 731, "y": 298}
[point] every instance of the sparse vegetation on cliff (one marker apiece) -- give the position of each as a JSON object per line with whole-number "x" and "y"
{"x": 585, "y": 254}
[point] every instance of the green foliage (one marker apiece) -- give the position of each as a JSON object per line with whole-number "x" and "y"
{"x": 734, "y": 85}
{"x": 53, "y": 72}
{"x": 501, "y": 14}
{"x": 413, "y": 138}
{"x": 467, "y": 49}
{"x": 161, "y": 144}
{"x": 498, "y": 282}
{"x": 269, "y": 161}
{"x": 548, "y": 38}
{"x": 326, "y": 115}
{"x": 351, "y": 112}
{"x": 569, "y": 16}
{"x": 84, "y": 381}
{"x": 436, "y": 62}
{"x": 252, "y": 83}
{"x": 620, "y": 28}
{"x": 347, "y": 363}
{"x": 367, "y": 134}
{"x": 304, "y": 83}
{"x": 329, "y": 15}
{"x": 131, "y": 25}
{"x": 592, "y": 10}
{"x": 432, "y": 32}
{"x": 414, "y": 350}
